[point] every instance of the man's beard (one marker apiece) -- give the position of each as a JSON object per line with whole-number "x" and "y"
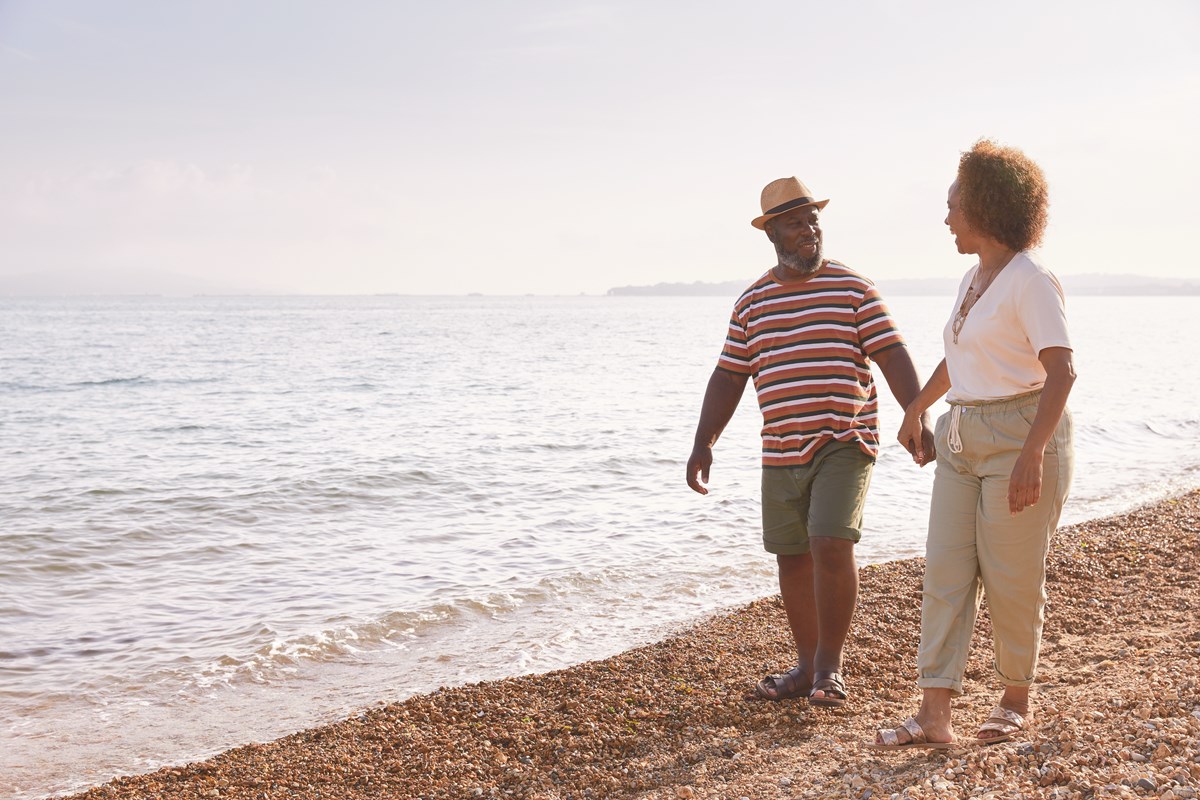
{"x": 795, "y": 261}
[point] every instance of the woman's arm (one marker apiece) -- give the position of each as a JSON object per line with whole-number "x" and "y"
{"x": 1025, "y": 484}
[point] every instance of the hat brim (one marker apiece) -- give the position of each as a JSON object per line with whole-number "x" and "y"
{"x": 761, "y": 222}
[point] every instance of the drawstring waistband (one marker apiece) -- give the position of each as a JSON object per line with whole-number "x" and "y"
{"x": 954, "y": 438}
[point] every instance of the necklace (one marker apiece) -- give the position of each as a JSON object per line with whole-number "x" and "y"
{"x": 972, "y": 297}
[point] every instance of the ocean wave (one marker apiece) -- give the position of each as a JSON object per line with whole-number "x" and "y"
{"x": 353, "y": 484}
{"x": 10, "y": 386}
{"x": 137, "y": 379}
{"x": 1172, "y": 428}
{"x": 1148, "y": 430}
{"x": 281, "y": 657}
{"x": 77, "y": 386}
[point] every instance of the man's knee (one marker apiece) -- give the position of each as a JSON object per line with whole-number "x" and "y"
{"x": 831, "y": 546}
{"x": 801, "y": 561}
{"x": 831, "y": 554}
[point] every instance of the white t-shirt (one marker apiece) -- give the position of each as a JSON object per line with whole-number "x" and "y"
{"x": 1020, "y": 314}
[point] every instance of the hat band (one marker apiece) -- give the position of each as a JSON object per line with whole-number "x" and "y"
{"x": 789, "y": 205}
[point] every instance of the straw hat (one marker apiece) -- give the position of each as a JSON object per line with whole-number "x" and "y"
{"x": 782, "y": 196}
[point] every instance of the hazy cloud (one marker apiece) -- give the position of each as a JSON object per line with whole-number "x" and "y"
{"x": 567, "y": 19}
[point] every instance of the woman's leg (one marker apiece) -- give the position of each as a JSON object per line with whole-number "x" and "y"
{"x": 1012, "y": 558}
{"x": 950, "y": 600}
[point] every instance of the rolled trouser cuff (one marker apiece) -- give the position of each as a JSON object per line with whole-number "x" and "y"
{"x": 941, "y": 683}
{"x": 1007, "y": 681}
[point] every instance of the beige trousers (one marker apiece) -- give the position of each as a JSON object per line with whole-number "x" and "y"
{"x": 975, "y": 545}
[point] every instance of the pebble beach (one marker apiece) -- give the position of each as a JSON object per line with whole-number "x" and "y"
{"x": 1116, "y": 709}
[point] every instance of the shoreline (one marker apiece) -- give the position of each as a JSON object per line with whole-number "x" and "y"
{"x": 1116, "y": 709}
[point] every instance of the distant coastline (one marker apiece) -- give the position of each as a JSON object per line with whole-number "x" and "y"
{"x": 1113, "y": 285}
{"x": 133, "y": 284}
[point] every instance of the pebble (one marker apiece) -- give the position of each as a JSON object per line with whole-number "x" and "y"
{"x": 622, "y": 727}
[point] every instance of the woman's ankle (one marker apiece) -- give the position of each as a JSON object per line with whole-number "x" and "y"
{"x": 1016, "y": 699}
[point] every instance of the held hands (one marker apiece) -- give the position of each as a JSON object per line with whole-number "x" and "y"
{"x": 699, "y": 462}
{"x": 1025, "y": 483}
{"x": 916, "y": 436}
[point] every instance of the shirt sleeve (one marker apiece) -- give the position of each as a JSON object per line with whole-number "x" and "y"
{"x": 1043, "y": 312}
{"x": 735, "y": 357}
{"x": 876, "y": 330}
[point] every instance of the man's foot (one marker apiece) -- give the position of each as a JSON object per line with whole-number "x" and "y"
{"x": 793, "y": 683}
{"x": 1001, "y": 725}
{"x": 909, "y": 736}
{"x": 828, "y": 689}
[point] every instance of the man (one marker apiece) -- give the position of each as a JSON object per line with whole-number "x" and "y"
{"x": 806, "y": 331}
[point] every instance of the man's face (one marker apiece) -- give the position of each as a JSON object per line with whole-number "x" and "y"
{"x": 797, "y": 238}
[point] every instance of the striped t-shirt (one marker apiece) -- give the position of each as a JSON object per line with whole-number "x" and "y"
{"x": 807, "y": 345}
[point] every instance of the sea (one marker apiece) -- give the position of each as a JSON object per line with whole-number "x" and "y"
{"x": 225, "y": 519}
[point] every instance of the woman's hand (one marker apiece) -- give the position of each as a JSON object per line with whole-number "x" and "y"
{"x": 916, "y": 436}
{"x": 1025, "y": 483}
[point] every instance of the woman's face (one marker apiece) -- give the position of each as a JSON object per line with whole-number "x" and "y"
{"x": 964, "y": 237}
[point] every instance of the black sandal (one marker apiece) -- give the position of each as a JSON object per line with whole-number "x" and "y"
{"x": 793, "y": 683}
{"x": 831, "y": 685}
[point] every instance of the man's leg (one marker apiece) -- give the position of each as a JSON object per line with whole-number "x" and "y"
{"x": 785, "y": 534}
{"x": 796, "y": 589}
{"x": 835, "y": 590}
{"x": 838, "y": 492}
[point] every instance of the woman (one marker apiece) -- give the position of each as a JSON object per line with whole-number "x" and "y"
{"x": 1004, "y": 452}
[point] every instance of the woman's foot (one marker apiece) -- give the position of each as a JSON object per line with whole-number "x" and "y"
{"x": 1008, "y": 717}
{"x": 912, "y": 734}
{"x": 932, "y": 722}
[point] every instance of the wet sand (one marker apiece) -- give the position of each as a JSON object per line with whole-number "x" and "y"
{"x": 1116, "y": 709}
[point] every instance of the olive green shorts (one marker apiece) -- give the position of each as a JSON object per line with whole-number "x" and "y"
{"x": 822, "y": 498}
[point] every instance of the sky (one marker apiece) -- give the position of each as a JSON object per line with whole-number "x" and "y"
{"x": 517, "y": 146}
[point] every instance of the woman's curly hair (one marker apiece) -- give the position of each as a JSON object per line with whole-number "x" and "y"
{"x": 1003, "y": 194}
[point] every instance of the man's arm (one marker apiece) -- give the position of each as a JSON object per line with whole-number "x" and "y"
{"x": 915, "y": 427}
{"x": 721, "y": 399}
{"x": 897, "y": 367}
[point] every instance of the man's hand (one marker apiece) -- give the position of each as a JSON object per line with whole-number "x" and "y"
{"x": 697, "y": 468}
{"x": 916, "y": 436}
